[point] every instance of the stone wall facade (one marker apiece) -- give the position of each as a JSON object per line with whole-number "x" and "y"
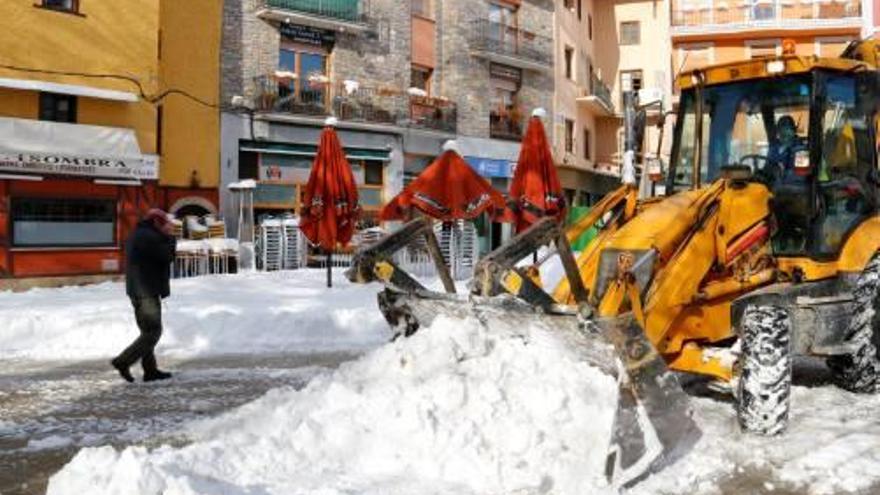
{"x": 380, "y": 57}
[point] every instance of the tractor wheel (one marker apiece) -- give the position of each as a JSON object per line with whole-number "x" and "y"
{"x": 860, "y": 371}
{"x": 765, "y": 381}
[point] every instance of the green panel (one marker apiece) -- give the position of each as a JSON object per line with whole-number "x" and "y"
{"x": 274, "y": 194}
{"x": 575, "y": 213}
{"x": 348, "y": 10}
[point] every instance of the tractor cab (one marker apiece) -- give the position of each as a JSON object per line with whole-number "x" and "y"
{"x": 805, "y": 127}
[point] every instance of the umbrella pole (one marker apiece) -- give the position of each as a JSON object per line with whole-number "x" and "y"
{"x": 329, "y": 268}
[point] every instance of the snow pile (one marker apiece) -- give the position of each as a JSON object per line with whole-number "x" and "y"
{"x": 453, "y": 410}
{"x": 255, "y": 312}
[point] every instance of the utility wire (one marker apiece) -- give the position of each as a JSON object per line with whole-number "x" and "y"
{"x": 155, "y": 99}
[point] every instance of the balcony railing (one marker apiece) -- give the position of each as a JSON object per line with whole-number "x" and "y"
{"x": 355, "y": 103}
{"x": 734, "y": 14}
{"x": 493, "y": 40}
{"x": 506, "y": 124}
{"x": 601, "y": 91}
{"x": 344, "y": 10}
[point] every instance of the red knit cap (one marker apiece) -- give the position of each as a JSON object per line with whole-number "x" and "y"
{"x": 157, "y": 216}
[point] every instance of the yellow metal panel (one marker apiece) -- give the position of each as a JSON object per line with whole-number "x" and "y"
{"x": 740, "y": 209}
{"x": 693, "y": 359}
{"x": 861, "y": 245}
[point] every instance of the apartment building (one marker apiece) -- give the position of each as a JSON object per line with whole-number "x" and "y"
{"x": 716, "y": 31}
{"x": 401, "y": 77}
{"x": 581, "y": 101}
{"x": 88, "y": 142}
{"x": 634, "y": 50}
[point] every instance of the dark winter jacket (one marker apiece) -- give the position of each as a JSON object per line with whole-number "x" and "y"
{"x": 148, "y": 257}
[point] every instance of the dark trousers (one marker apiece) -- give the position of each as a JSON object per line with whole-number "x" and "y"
{"x": 148, "y": 313}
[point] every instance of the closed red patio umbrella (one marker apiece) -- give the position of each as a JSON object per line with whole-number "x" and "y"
{"x": 330, "y": 207}
{"x": 535, "y": 191}
{"x": 447, "y": 190}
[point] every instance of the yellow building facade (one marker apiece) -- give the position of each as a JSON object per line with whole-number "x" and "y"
{"x": 87, "y": 140}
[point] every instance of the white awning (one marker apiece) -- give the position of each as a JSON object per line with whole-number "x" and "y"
{"x": 42, "y": 147}
{"x": 67, "y": 89}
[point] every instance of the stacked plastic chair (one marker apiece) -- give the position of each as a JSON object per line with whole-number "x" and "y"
{"x": 294, "y": 244}
{"x": 271, "y": 244}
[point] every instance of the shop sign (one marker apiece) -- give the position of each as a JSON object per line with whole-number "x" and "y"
{"x": 307, "y": 35}
{"x": 490, "y": 167}
{"x": 70, "y": 164}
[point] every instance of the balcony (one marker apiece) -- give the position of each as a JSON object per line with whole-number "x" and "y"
{"x": 733, "y": 16}
{"x": 334, "y": 15}
{"x": 351, "y": 102}
{"x": 510, "y": 46}
{"x": 597, "y": 97}
{"x": 506, "y": 124}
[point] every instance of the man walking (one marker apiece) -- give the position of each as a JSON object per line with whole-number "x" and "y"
{"x": 149, "y": 252}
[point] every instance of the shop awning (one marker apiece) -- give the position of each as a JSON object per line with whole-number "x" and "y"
{"x": 42, "y": 147}
{"x": 67, "y": 89}
{"x": 310, "y": 150}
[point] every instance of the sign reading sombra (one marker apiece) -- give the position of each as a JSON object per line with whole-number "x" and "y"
{"x": 64, "y": 164}
{"x": 39, "y": 147}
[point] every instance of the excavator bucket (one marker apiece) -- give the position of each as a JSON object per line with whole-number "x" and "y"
{"x": 653, "y": 425}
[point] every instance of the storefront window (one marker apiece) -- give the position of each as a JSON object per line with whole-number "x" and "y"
{"x": 41, "y": 222}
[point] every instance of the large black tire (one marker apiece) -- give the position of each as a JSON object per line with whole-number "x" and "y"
{"x": 860, "y": 371}
{"x": 765, "y": 363}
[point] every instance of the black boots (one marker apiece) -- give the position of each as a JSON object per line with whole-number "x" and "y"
{"x": 123, "y": 370}
{"x": 155, "y": 375}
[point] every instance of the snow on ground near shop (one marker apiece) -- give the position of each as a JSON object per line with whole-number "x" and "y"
{"x": 257, "y": 312}
{"x": 453, "y": 410}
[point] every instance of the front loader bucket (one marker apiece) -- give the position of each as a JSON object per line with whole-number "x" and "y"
{"x": 653, "y": 424}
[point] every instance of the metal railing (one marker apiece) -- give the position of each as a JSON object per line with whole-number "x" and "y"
{"x": 601, "y": 91}
{"x": 761, "y": 13}
{"x": 506, "y": 124}
{"x": 356, "y": 103}
{"x": 502, "y": 39}
{"x": 346, "y": 10}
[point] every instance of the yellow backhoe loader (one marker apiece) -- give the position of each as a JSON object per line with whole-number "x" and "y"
{"x": 763, "y": 248}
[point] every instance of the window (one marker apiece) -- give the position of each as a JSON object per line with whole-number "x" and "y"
{"x": 57, "y": 107}
{"x": 763, "y": 49}
{"x": 587, "y": 154}
{"x": 373, "y": 173}
{"x": 629, "y": 33}
{"x": 590, "y": 26}
{"x": 580, "y": 9}
{"x": 569, "y": 136}
{"x": 159, "y": 118}
{"x": 506, "y": 115}
{"x": 42, "y": 222}
{"x": 62, "y": 5}
{"x": 420, "y": 77}
{"x": 569, "y": 63}
{"x": 631, "y": 79}
{"x": 303, "y": 83}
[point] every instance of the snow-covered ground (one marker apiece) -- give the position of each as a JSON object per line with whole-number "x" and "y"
{"x": 247, "y": 313}
{"x": 455, "y": 409}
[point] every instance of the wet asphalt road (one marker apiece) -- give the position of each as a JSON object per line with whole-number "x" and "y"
{"x": 48, "y": 411}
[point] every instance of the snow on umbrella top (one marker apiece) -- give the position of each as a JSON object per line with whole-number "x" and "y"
{"x": 449, "y": 189}
{"x": 330, "y": 207}
{"x": 535, "y": 191}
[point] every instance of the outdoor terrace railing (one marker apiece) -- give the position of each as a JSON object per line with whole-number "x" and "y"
{"x": 356, "y": 103}
{"x": 510, "y": 41}
{"x": 346, "y": 10}
{"x": 763, "y": 13}
{"x": 601, "y": 91}
{"x": 506, "y": 124}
